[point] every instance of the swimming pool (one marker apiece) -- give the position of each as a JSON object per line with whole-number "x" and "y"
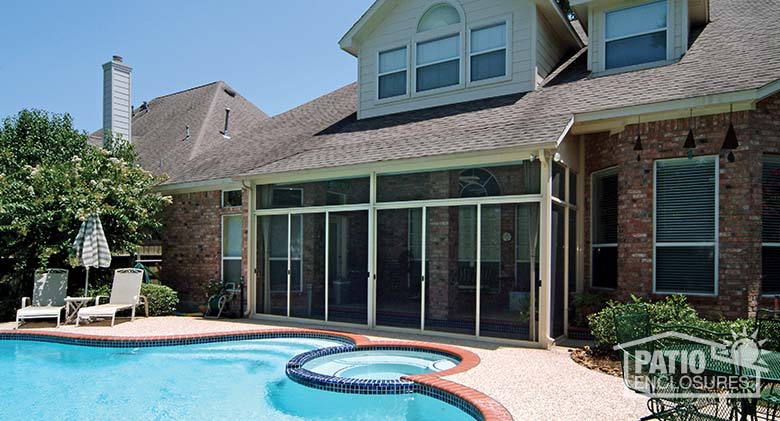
{"x": 216, "y": 381}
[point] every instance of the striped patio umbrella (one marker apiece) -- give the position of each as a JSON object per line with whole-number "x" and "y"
{"x": 91, "y": 247}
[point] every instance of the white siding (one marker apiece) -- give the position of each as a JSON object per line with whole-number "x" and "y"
{"x": 117, "y": 99}
{"x": 677, "y": 25}
{"x": 399, "y": 28}
{"x": 549, "y": 48}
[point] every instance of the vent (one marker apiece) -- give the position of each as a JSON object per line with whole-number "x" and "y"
{"x": 230, "y": 92}
{"x": 225, "y": 132}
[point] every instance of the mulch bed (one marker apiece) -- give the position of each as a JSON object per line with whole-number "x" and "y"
{"x": 605, "y": 362}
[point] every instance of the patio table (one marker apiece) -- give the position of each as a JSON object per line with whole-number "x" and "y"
{"x": 770, "y": 361}
{"x": 73, "y": 305}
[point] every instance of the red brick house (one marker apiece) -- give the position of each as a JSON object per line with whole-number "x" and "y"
{"x": 491, "y": 161}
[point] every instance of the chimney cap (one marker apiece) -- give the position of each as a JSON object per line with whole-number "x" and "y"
{"x": 117, "y": 59}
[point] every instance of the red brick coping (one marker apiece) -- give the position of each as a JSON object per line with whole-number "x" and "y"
{"x": 490, "y": 409}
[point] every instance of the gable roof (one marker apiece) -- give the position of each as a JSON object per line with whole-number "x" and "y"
{"x": 380, "y": 9}
{"x": 736, "y": 52}
{"x": 159, "y": 129}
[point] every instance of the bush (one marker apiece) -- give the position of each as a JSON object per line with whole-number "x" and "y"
{"x": 162, "y": 299}
{"x": 673, "y": 310}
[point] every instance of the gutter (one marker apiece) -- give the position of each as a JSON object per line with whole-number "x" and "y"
{"x": 748, "y": 95}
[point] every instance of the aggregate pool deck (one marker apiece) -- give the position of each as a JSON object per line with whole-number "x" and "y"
{"x": 532, "y": 384}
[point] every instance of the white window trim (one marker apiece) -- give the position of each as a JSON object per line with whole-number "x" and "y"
{"x": 432, "y": 35}
{"x": 385, "y": 49}
{"x": 593, "y": 245}
{"x": 714, "y": 244}
{"x": 667, "y": 28}
{"x": 222, "y": 245}
{"x": 222, "y": 198}
{"x": 487, "y": 23}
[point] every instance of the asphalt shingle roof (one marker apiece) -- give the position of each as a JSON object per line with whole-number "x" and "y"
{"x": 159, "y": 131}
{"x": 738, "y": 50}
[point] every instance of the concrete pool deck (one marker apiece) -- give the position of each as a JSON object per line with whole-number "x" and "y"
{"x": 532, "y": 384}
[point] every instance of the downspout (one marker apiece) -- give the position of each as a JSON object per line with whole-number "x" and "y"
{"x": 250, "y": 263}
{"x": 545, "y": 216}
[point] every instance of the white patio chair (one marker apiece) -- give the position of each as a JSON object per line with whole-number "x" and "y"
{"x": 48, "y": 297}
{"x": 125, "y": 295}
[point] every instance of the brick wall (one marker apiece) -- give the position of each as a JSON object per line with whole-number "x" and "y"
{"x": 192, "y": 235}
{"x": 740, "y": 200}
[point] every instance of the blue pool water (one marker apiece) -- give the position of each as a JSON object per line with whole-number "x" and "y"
{"x": 239, "y": 380}
{"x": 380, "y": 364}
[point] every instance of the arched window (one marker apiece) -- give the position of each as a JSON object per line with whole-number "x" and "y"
{"x": 438, "y": 55}
{"x": 438, "y": 16}
{"x": 477, "y": 182}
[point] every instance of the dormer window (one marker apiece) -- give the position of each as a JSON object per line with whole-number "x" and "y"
{"x": 488, "y": 52}
{"x": 392, "y": 73}
{"x": 636, "y": 35}
{"x": 438, "y": 50}
{"x": 438, "y": 63}
{"x": 438, "y": 16}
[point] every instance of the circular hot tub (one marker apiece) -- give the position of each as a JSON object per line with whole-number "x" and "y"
{"x": 389, "y": 364}
{"x": 367, "y": 370}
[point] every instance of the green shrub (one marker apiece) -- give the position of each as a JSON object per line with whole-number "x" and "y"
{"x": 162, "y": 299}
{"x": 673, "y": 311}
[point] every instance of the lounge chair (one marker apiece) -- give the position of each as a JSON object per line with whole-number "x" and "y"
{"x": 125, "y": 295}
{"x": 48, "y": 298}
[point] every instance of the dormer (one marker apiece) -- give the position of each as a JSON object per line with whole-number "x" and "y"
{"x": 415, "y": 54}
{"x": 627, "y": 35}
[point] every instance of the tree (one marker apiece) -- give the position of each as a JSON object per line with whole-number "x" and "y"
{"x": 51, "y": 179}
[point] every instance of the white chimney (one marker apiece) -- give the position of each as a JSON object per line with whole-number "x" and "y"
{"x": 117, "y": 112}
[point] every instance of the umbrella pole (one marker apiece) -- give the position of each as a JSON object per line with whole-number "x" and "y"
{"x": 86, "y": 282}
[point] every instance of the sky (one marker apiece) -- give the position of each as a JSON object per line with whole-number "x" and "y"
{"x": 277, "y": 54}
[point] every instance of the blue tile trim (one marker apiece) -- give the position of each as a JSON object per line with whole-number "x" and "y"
{"x": 298, "y": 374}
{"x": 147, "y": 343}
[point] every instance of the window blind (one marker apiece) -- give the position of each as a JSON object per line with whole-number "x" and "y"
{"x": 686, "y": 226}
{"x": 770, "y": 233}
{"x": 605, "y": 229}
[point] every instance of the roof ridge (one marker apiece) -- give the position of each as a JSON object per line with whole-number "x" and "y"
{"x": 202, "y": 129}
{"x": 187, "y": 90}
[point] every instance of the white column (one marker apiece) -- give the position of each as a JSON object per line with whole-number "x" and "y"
{"x": 424, "y": 225}
{"x": 289, "y": 260}
{"x": 479, "y": 265}
{"x": 327, "y": 262}
{"x": 251, "y": 264}
{"x": 372, "y": 253}
{"x": 545, "y": 240}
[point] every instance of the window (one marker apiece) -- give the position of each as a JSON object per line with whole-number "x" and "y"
{"x": 438, "y": 16}
{"x": 478, "y": 182}
{"x": 231, "y": 248}
{"x": 604, "y": 223}
{"x": 686, "y": 225}
{"x": 231, "y": 198}
{"x": 392, "y": 73}
{"x": 635, "y": 35}
{"x": 770, "y": 233}
{"x": 438, "y": 63}
{"x": 488, "y": 52}
{"x": 282, "y": 197}
{"x": 278, "y": 250}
